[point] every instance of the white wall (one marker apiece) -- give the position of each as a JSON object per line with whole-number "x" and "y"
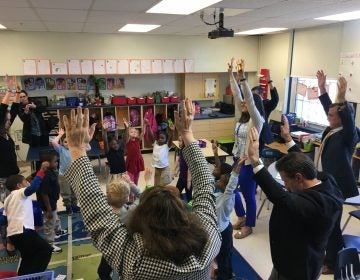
{"x": 209, "y": 55}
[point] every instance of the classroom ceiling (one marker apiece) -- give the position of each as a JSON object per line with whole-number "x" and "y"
{"x": 107, "y": 16}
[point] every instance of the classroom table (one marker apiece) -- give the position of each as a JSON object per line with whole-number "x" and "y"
{"x": 281, "y": 147}
{"x": 207, "y": 151}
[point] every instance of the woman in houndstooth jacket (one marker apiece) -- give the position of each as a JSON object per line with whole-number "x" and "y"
{"x": 140, "y": 251}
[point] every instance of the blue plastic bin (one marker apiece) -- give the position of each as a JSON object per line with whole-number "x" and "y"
{"x": 46, "y": 275}
{"x": 72, "y": 101}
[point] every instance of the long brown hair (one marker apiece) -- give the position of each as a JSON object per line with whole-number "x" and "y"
{"x": 245, "y": 117}
{"x": 169, "y": 230}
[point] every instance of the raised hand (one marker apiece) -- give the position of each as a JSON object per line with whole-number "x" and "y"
{"x": 231, "y": 65}
{"x": 61, "y": 132}
{"x": 214, "y": 146}
{"x": 105, "y": 125}
{"x": 126, "y": 123}
{"x": 77, "y": 132}
{"x": 183, "y": 122}
{"x": 44, "y": 166}
{"x": 341, "y": 90}
{"x": 127, "y": 178}
{"x": 240, "y": 67}
{"x": 253, "y": 150}
{"x": 285, "y": 129}
{"x": 239, "y": 163}
{"x": 321, "y": 77}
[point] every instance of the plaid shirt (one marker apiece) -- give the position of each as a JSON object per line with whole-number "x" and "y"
{"x": 124, "y": 252}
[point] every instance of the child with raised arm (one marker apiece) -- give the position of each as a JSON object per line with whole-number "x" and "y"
{"x": 160, "y": 158}
{"x": 114, "y": 149}
{"x": 67, "y": 194}
{"x": 182, "y": 170}
{"x": 134, "y": 159}
{"x": 18, "y": 209}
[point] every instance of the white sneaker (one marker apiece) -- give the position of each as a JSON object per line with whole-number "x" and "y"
{"x": 60, "y": 233}
{"x": 56, "y": 249}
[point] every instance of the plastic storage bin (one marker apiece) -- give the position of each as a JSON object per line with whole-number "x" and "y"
{"x": 131, "y": 100}
{"x": 174, "y": 99}
{"x": 46, "y": 275}
{"x": 165, "y": 99}
{"x": 140, "y": 100}
{"x": 72, "y": 101}
{"x": 118, "y": 100}
{"x": 150, "y": 100}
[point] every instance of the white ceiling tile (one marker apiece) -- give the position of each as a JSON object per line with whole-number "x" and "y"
{"x": 156, "y": 18}
{"x": 22, "y": 25}
{"x": 190, "y": 20}
{"x": 169, "y": 30}
{"x": 62, "y": 15}
{"x": 124, "y": 5}
{"x": 111, "y": 17}
{"x": 245, "y": 4}
{"x": 101, "y": 27}
{"x": 14, "y": 3}
{"x": 7, "y": 13}
{"x": 64, "y": 26}
{"x": 62, "y": 4}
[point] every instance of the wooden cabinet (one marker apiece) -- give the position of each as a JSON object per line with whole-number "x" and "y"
{"x": 97, "y": 113}
{"x": 194, "y": 86}
{"x": 214, "y": 128}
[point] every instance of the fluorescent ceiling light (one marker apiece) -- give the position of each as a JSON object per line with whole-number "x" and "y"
{"x": 260, "y": 31}
{"x": 138, "y": 27}
{"x": 180, "y": 7}
{"x": 342, "y": 17}
{"x": 2, "y": 26}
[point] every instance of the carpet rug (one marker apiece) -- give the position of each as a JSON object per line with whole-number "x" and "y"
{"x": 79, "y": 259}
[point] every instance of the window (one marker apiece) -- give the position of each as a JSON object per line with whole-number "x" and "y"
{"x": 311, "y": 110}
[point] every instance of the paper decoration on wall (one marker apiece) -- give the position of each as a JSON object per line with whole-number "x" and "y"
{"x": 43, "y": 67}
{"x": 312, "y": 93}
{"x": 71, "y": 84}
{"x": 210, "y": 87}
{"x": 111, "y": 66}
{"x": 59, "y": 68}
{"x": 50, "y": 84}
{"x": 29, "y": 83}
{"x": 301, "y": 89}
{"x": 74, "y": 67}
{"x": 145, "y": 66}
{"x": 119, "y": 83}
{"x": 99, "y": 67}
{"x": 189, "y": 65}
{"x": 81, "y": 83}
{"x": 60, "y": 84}
{"x": 168, "y": 66}
{"x": 86, "y": 67}
{"x": 350, "y": 70}
{"x": 135, "y": 66}
{"x": 156, "y": 66}
{"x": 39, "y": 83}
{"x": 123, "y": 66}
{"x": 179, "y": 66}
{"x": 29, "y": 66}
{"x": 101, "y": 82}
{"x": 110, "y": 83}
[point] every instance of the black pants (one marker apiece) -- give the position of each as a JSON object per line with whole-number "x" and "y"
{"x": 104, "y": 270}
{"x": 224, "y": 258}
{"x": 35, "y": 252}
{"x": 335, "y": 244}
{"x": 182, "y": 184}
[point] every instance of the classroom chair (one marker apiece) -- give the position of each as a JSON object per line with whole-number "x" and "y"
{"x": 355, "y": 214}
{"x": 347, "y": 265}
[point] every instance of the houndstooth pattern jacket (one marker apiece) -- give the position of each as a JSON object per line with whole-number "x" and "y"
{"x": 124, "y": 252}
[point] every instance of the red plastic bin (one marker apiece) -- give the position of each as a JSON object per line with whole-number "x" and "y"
{"x": 131, "y": 100}
{"x": 140, "y": 100}
{"x": 118, "y": 100}
{"x": 150, "y": 100}
{"x": 174, "y": 98}
{"x": 165, "y": 99}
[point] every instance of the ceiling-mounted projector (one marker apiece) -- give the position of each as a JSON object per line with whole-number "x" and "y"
{"x": 220, "y": 31}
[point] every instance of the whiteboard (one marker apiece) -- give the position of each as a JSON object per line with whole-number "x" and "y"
{"x": 59, "y": 68}
{"x": 168, "y": 65}
{"x": 111, "y": 66}
{"x": 179, "y": 66}
{"x": 29, "y": 66}
{"x": 135, "y": 66}
{"x": 74, "y": 67}
{"x": 189, "y": 65}
{"x": 123, "y": 66}
{"x": 43, "y": 67}
{"x": 350, "y": 69}
{"x": 87, "y": 67}
{"x": 99, "y": 66}
{"x": 156, "y": 66}
{"x": 146, "y": 66}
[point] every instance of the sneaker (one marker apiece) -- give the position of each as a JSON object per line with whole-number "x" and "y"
{"x": 60, "y": 233}
{"x": 56, "y": 249}
{"x": 69, "y": 210}
{"x": 75, "y": 208}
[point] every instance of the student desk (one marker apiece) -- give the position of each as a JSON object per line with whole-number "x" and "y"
{"x": 207, "y": 151}
{"x": 281, "y": 147}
